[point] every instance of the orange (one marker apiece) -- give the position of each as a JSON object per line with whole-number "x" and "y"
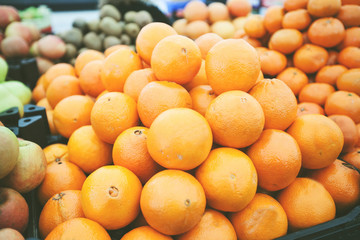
{"x": 38, "y": 93}
{"x": 50, "y": 118}
{"x": 113, "y": 113}
{"x": 158, "y": 96}
{"x": 79, "y": 228}
{"x": 56, "y": 71}
{"x": 291, "y": 5}
{"x": 294, "y": 78}
{"x": 179, "y": 25}
{"x": 262, "y": 218}
{"x": 44, "y": 103}
{"x": 72, "y": 113}
{"x": 199, "y": 79}
{"x": 196, "y": 28}
{"x": 117, "y": 67}
{"x": 56, "y": 152}
{"x": 273, "y": 18}
{"x": 342, "y": 182}
{"x": 350, "y": 2}
{"x": 232, "y": 64}
{"x": 323, "y": 8}
{"x": 275, "y": 151}
{"x": 254, "y": 26}
{"x": 344, "y": 102}
{"x": 202, "y": 96}
{"x": 316, "y": 93}
{"x": 59, "y": 208}
{"x": 224, "y": 29}
{"x": 353, "y": 157}
{"x": 179, "y": 138}
{"x": 172, "y": 202}
{"x": 62, "y": 87}
{"x": 349, "y": 57}
{"x": 349, "y": 15}
{"x": 349, "y": 81}
{"x": 130, "y": 151}
{"x": 110, "y": 196}
{"x": 236, "y": 119}
{"x": 319, "y": 138}
{"x": 350, "y": 40}
{"x": 329, "y": 74}
{"x": 309, "y": 108}
{"x": 310, "y": 58}
{"x": 145, "y": 233}
{"x": 239, "y": 23}
{"x": 348, "y": 129}
{"x": 149, "y": 36}
{"x": 218, "y": 11}
{"x": 239, "y": 8}
{"x": 90, "y": 80}
{"x": 306, "y": 203}
{"x": 252, "y": 41}
{"x": 60, "y": 176}
{"x": 206, "y": 41}
{"x": 176, "y": 59}
{"x": 298, "y": 19}
{"x": 112, "y": 49}
{"x": 358, "y": 129}
{"x": 286, "y": 41}
{"x": 212, "y": 226}
{"x": 137, "y": 80}
{"x": 277, "y": 101}
{"x": 87, "y": 151}
{"x": 85, "y": 57}
{"x": 326, "y": 32}
{"x": 332, "y": 60}
{"x": 272, "y": 62}
{"x": 229, "y": 179}
{"x": 196, "y": 10}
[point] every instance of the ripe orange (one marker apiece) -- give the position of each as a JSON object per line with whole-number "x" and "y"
{"x": 59, "y": 208}
{"x": 306, "y": 203}
{"x": 38, "y": 93}
{"x": 159, "y": 96}
{"x": 273, "y": 18}
{"x": 309, "y": 108}
{"x": 176, "y": 59}
{"x": 56, "y": 71}
{"x": 353, "y": 157}
{"x": 113, "y": 113}
{"x": 229, "y": 179}
{"x": 224, "y": 29}
{"x": 316, "y": 93}
{"x": 196, "y": 10}
{"x": 262, "y": 218}
{"x": 236, "y": 119}
{"x": 319, "y": 138}
{"x": 286, "y": 41}
{"x": 206, "y": 41}
{"x": 350, "y": 39}
{"x": 349, "y": 57}
{"x": 275, "y": 151}
{"x": 326, "y": 32}
{"x": 294, "y": 78}
{"x": 60, "y": 176}
{"x": 202, "y": 96}
{"x": 90, "y": 80}
{"x": 146, "y": 233}
{"x": 212, "y": 226}
{"x": 179, "y": 25}
{"x": 50, "y": 117}
{"x": 137, "y": 80}
{"x": 349, "y": 15}
{"x": 72, "y": 113}
{"x": 348, "y": 129}
{"x": 196, "y": 28}
{"x": 85, "y": 57}
{"x": 79, "y": 228}
{"x": 56, "y": 152}
{"x": 298, "y": 19}
{"x": 218, "y": 11}
{"x": 344, "y": 102}
{"x": 44, "y": 103}
{"x": 179, "y": 138}
{"x": 199, "y": 79}
{"x": 117, "y": 67}
{"x": 239, "y": 8}
{"x": 110, "y": 196}
{"x": 112, "y": 49}
{"x": 254, "y": 26}
{"x": 348, "y": 81}
{"x": 130, "y": 151}
{"x": 277, "y": 101}
{"x": 272, "y": 62}
{"x": 172, "y": 202}
{"x": 342, "y": 182}
{"x": 310, "y": 58}
{"x": 291, "y": 5}
{"x": 62, "y": 87}
{"x": 232, "y": 64}
{"x": 323, "y": 8}
{"x": 149, "y": 36}
{"x": 329, "y": 74}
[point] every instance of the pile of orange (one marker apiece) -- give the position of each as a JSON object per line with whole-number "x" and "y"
{"x": 186, "y": 139}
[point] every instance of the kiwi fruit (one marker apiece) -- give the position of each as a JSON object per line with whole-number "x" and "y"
{"x": 132, "y": 29}
{"x": 143, "y": 18}
{"x": 110, "y": 11}
{"x": 130, "y": 16}
{"x": 72, "y": 61}
{"x": 125, "y": 39}
{"x": 109, "y": 26}
{"x": 73, "y": 36}
{"x": 93, "y": 25}
{"x": 102, "y": 36}
{"x": 80, "y": 24}
{"x": 91, "y": 40}
{"x": 71, "y": 51}
{"x": 111, "y": 41}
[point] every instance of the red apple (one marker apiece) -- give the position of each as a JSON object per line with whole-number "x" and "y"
{"x": 8, "y": 14}
{"x": 52, "y": 47}
{"x": 10, "y": 234}
{"x": 9, "y": 151}
{"x": 14, "y": 46}
{"x": 35, "y": 32}
{"x": 18, "y": 29}
{"x": 14, "y": 211}
{"x": 29, "y": 170}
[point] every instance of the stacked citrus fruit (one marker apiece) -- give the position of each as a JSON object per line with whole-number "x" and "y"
{"x": 187, "y": 140}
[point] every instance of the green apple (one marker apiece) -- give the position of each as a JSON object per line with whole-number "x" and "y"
{"x": 3, "y": 69}
{"x": 9, "y": 151}
{"x": 8, "y": 100}
{"x": 19, "y": 90}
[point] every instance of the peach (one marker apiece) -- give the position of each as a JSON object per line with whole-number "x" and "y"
{"x": 14, "y": 46}
{"x": 8, "y": 14}
{"x": 10, "y": 234}
{"x": 18, "y": 29}
{"x": 52, "y": 47}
